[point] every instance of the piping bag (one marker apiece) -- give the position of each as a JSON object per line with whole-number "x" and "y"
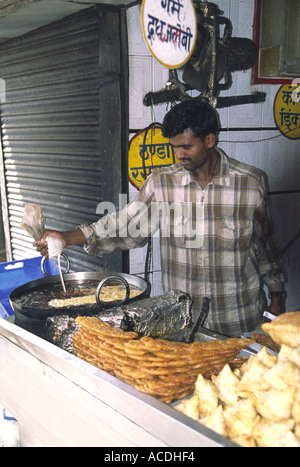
{"x": 33, "y": 223}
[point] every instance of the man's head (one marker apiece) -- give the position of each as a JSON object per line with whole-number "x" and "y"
{"x": 191, "y": 127}
{"x": 196, "y": 116}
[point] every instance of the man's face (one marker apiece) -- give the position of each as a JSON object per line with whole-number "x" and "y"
{"x": 191, "y": 151}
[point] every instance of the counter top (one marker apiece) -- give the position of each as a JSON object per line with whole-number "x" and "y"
{"x": 61, "y": 400}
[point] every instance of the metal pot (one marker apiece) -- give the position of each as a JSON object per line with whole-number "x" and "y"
{"x": 30, "y": 300}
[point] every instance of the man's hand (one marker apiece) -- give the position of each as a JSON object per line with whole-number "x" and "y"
{"x": 276, "y": 306}
{"x": 72, "y": 237}
{"x": 42, "y": 246}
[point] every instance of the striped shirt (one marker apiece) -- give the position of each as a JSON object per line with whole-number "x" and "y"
{"x": 216, "y": 242}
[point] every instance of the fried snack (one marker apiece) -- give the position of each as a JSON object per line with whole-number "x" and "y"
{"x": 273, "y": 404}
{"x": 259, "y": 401}
{"x": 215, "y": 421}
{"x": 266, "y": 341}
{"x": 244, "y": 441}
{"x": 240, "y": 418}
{"x": 166, "y": 370}
{"x": 266, "y": 358}
{"x": 274, "y": 379}
{"x": 289, "y": 354}
{"x": 267, "y": 433}
{"x": 252, "y": 380}
{"x": 207, "y": 395}
{"x": 109, "y": 293}
{"x": 190, "y": 407}
{"x": 226, "y": 383}
{"x": 285, "y": 329}
{"x": 296, "y": 410}
{"x": 289, "y": 372}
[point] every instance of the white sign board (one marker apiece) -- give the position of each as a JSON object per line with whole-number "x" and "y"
{"x": 170, "y": 30}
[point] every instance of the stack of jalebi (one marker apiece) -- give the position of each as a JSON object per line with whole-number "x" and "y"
{"x": 166, "y": 370}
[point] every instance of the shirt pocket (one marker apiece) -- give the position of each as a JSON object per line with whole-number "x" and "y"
{"x": 235, "y": 230}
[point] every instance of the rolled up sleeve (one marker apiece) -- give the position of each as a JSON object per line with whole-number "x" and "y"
{"x": 129, "y": 228}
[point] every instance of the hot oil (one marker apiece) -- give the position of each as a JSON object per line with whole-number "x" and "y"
{"x": 41, "y": 296}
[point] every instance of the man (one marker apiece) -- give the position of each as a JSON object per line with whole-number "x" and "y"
{"x": 216, "y": 232}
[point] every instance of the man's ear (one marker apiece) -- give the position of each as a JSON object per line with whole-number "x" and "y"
{"x": 210, "y": 140}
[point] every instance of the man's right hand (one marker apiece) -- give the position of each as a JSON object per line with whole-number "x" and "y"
{"x": 72, "y": 237}
{"x": 42, "y": 246}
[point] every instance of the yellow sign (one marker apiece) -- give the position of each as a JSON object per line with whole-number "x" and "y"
{"x": 148, "y": 151}
{"x": 287, "y": 110}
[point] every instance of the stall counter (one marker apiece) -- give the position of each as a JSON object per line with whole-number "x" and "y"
{"x": 60, "y": 400}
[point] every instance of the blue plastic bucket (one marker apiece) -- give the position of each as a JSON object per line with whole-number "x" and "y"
{"x": 17, "y": 273}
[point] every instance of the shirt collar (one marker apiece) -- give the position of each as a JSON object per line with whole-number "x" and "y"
{"x": 223, "y": 177}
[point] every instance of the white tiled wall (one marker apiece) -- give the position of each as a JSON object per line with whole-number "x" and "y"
{"x": 266, "y": 149}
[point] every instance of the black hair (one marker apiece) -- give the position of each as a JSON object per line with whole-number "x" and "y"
{"x": 197, "y": 116}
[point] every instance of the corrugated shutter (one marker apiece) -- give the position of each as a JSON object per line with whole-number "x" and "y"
{"x": 64, "y": 126}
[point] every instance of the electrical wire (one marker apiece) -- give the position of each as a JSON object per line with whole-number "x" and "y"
{"x": 259, "y": 140}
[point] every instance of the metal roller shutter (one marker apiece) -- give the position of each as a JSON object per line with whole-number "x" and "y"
{"x": 64, "y": 126}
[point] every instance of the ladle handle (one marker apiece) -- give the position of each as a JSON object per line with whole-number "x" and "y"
{"x": 112, "y": 278}
{"x": 43, "y": 264}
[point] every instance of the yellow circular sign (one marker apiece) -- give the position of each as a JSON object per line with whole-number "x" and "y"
{"x": 148, "y": 151}
{"x": 287, "y": 110}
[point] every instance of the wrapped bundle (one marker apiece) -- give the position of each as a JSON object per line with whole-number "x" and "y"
{"x": 156, "y": 317}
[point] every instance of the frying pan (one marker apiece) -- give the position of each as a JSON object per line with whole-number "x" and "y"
{"x": 30, "y": 301}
